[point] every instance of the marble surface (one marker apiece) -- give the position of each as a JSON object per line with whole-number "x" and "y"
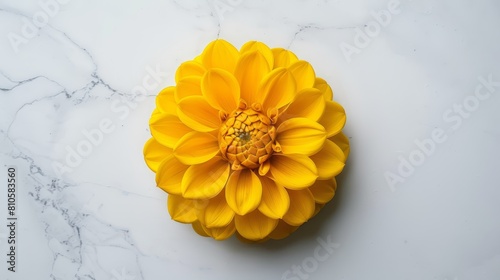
{"x": 418, "y": 200}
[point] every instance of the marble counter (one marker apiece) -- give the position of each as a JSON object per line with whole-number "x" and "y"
{"x": 418, "y": 200}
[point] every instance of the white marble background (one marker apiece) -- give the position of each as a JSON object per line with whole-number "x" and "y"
{"x": 71, "y": 67}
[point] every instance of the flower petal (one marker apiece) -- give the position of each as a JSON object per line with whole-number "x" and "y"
{"x": 333, "y": 118}
{"x": 255, "y": 225}
{"x": 283, "y": 58}
{"x": 282, "y": 230}
{"x": 165, "y": 101}
{"x": 156, "y": 113}
{"x": 217, "y": 213}
{"x": 220, "y": 233}
{"x": 277, "y": 89}
{"x": 189, "y": 68}
{"x": 330, "y": 160}
{"x": 309, "y": 103}
{"x": 243, "y": 191}
{"x": 187, "y": 86}
{"x": 221, "y": 90}
{"x": 155, "y": 153}
{"x": 323, "y": 86}
{"x": 261, "y": 48}
{"x": 170, "y": 174}
{"x": 167, "y": 129}
{"x": 300, "y": 136}
{"x": 303, "y": 73}
{"x": 301, "y": 207}
{"x": 293, "y": 171}
{"x": 248, "y": 241}
{"x": 196, "y": 147}
{"x": 206, "y": 180}
{"x": 181, "y": 210}
{"x": 251, "y": 68}
{"x": 196, "y": 113}
{"x": 199, "y": 229}
{"x": 275, "y": 200}
{"x": 323, "y": 190}
{"x": 220, "y": 54}
{"x": 341, "y": 140}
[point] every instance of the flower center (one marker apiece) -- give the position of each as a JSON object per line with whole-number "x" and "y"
{"x": 246, "y": 139}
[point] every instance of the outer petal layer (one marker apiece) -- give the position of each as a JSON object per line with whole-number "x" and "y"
{"x": 275, "y": 201}
{"x": 323, "y": 190}
{"x": 196, "y": 113}
{"x": 330, "y": 160}
{"x": 217, "y": 213}
{"x": 323, "y": 86}
{"x": 181, "y": 210}
{"x": 250, "y": 71}
{"x": 206, "y": 180}
{"x": 261, "y": 48}
{"x": 221, "y": 90}
{"x": 283, "y": 58}
{"x": 165, "y": 101}
{"x": 301, "y": 207}
{"x": 170, "y": 174}
{"x": 282, "y": 230}
{"x": 300, "y": 136}
{"x": 220, "y": 54}
{"x": 303, "y": 73}
{"x": 341, "y": 140}
{"x": 189, "y": 68}
{"x": 155, "y": 153}
{"x": 220, "y": 233}
{"x": 255, "y": 225}
{"x": 198, "y": 228}
{"x": 167, "y": 129}
{"x": 309, "y": 103}
{"x": 187, "y": 86}
{"x": 333, "y": 118}
{"x": 196, "y": 147}
{"x": 293, "y": 171}
{"x": 277, "y": 89}
{"x": 243, "y": 191}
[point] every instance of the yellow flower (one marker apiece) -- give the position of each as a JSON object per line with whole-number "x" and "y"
{"x": 247, "y": 142}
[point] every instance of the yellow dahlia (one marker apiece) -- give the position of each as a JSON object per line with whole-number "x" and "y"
{"x": 247, "y": 142}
